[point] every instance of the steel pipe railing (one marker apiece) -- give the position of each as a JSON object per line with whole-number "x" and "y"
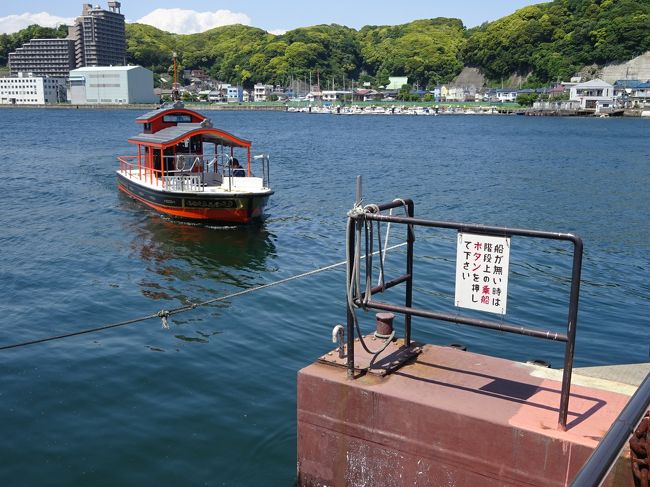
{"x": 374, "y": 214}
{"x": 602, "y": 459}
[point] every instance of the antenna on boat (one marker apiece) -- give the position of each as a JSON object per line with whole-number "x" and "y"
{"x": 176, "y": 95}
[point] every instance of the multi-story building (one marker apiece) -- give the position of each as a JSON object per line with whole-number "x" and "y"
{"x": 262, "y": 91}
{"x": 31, "y": 90}
{"x": 235, "y": 94}
{"x": 592, "y": 94}
{"x": 99, "y": 36}
{"x": 43, "y": 57}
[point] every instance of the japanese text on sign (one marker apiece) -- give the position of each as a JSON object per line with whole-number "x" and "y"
{"x": 482, "y": 272}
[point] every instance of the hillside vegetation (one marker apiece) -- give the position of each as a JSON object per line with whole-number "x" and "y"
{"x": 554, "y": 40}
{"x": 542, "y": 42}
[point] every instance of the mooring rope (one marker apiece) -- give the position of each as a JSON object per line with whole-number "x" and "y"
{"x": 353, "y": 277}
{"x": 165, "y": 314}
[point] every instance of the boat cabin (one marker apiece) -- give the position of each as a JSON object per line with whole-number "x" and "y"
{"x": 177, "y": 142}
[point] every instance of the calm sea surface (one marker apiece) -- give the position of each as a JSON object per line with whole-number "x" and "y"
{"x": 211, "y": 401}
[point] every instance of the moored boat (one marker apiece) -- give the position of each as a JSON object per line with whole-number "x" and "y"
{"x": 188, "y": 169}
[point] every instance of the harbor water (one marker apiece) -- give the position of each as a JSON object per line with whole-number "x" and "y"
{"x": 211, "y": 401}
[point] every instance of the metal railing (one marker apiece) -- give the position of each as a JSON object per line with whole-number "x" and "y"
{"x": 183, "y": 172}
{"x": 266, "y": 170}
{"x": 189, "y": 172}
{"x": 361, "y": 300}
{"x": 602, "y": 459}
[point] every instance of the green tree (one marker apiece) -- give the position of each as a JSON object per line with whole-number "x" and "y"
{"x": 527, "y": 99}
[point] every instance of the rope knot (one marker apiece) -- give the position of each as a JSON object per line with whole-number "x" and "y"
{"x": 163, "y": 314}
{"x": 356, "y": 211}
{"x": 372, "y": 208}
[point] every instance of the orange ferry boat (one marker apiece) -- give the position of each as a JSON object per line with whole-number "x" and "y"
{"x": 188, "y": 169}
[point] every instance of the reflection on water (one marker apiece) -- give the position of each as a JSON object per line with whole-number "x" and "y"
{"x": 208, "y": 247}
{"x": 214, "y": 260}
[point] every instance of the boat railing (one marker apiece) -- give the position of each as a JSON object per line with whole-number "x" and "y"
{"x": 225, "y": 163}
{"x": 186, "y": 172}
{"x": 181, "y": 172}
{"x": 191, "y": 172}
{"x": 362, "y": 218}
{"x": 266, "y": 170}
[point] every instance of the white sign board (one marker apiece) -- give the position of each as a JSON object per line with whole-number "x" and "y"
{"x": 482, "y": 264}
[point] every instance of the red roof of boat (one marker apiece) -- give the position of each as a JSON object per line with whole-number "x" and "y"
{"x": 176, "y": 108}
{"x": 173, "y": 135}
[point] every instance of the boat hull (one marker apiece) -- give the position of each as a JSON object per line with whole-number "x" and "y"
{"x": 205, "y": 207}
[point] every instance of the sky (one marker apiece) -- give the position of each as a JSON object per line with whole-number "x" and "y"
{"x": 275, "y": 16}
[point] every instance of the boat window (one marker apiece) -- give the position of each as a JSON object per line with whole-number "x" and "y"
{"x": 195, "y": 145}
{"x": 177, "y": 118}
{"x": 147, "y": 128}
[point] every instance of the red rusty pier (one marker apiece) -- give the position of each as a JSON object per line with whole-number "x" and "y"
{"x": 448, "y": 417}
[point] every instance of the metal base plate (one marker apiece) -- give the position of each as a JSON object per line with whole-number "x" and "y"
{"x": 392, "y": 358}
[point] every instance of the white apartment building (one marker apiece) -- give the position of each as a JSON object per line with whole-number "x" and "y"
{"x": 334, "y": 95}
{"x": 261, "y": 91}
{"x": 31, "y": 90}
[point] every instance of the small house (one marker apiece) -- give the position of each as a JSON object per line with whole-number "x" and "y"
{"x": 594, "y": 94}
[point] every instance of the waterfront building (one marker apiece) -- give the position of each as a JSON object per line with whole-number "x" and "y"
{"x": 593, "y": 94}
{"x": 641, "y": 95}
{"x": 455, "y": 93}
{"x": 367, "y": 94}
{"x": 99, "y": 36}
{"x": 261, "y": 91}
{"x": 334, "y": 95}
{"x": 43, "y": 57}
{"x": 557, "y": 91}
{"x": 506, "y": 95}
{"x": 32, "y": 90}
{"x": 235, "y": 94}
{"x": 111, "y": 85}
{"x": 216, "y": 96}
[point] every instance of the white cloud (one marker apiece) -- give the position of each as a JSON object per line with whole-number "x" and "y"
{"x": 181, "y": 21}
{"x": 13, "y": 23}
{"x": 277, "y": 32}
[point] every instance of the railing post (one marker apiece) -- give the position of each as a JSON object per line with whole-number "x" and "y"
{"x": 571, "y": 332}
{"x": 349, "y": 289}
{"x": 410, "y": 239}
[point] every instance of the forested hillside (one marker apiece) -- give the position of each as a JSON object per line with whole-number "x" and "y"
{"x": 554, "y": 40}
{"x": 543, "y": 42}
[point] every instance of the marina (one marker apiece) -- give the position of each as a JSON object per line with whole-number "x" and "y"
{"x": 213, "y": 399}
